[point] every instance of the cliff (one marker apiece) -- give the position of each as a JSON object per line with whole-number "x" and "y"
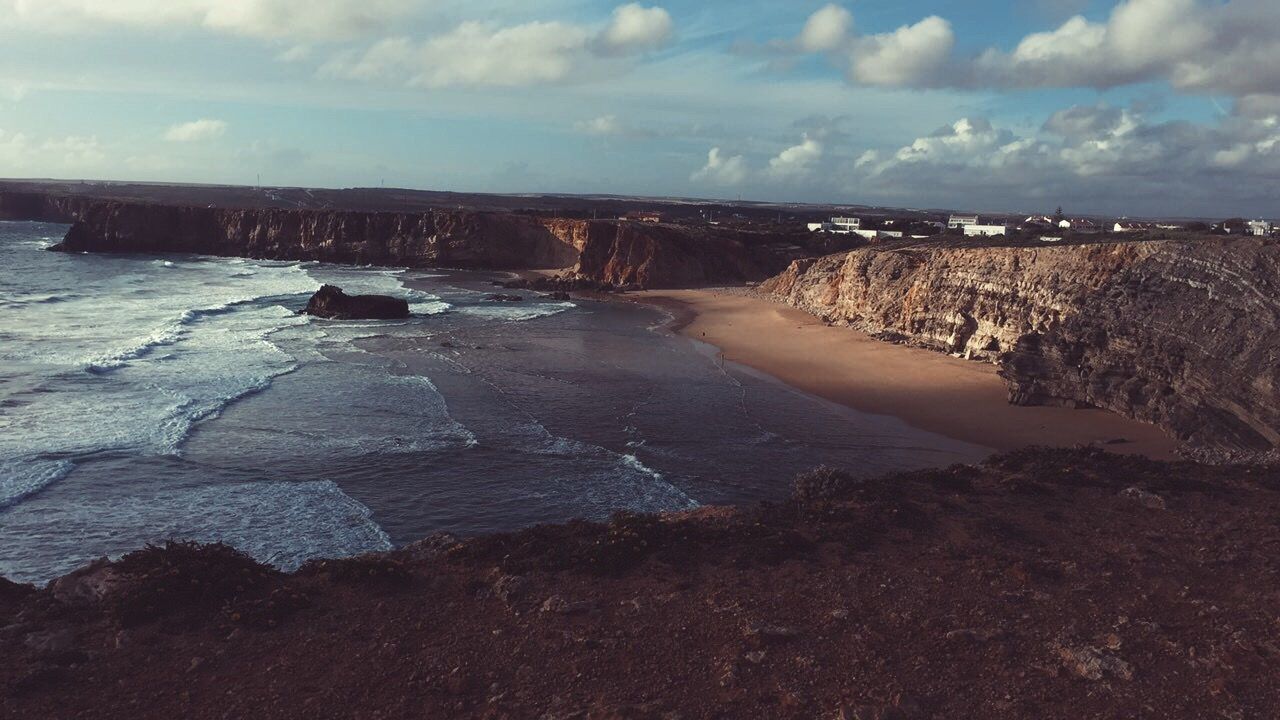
{"x": 649, "y": 255}
{"x": 1184, "y": 334}
{"x": 1043, "y": 584}
{"x": 601, "y": 251}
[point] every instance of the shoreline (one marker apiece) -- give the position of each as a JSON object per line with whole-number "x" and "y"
{"x": 959, "y": 399}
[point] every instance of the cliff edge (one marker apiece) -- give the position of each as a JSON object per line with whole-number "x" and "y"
{"x": 1184, "y": 334}
{"x": 1042, "y": 584}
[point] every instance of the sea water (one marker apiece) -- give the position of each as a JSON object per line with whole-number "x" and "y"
{"x": 147, "y": 398}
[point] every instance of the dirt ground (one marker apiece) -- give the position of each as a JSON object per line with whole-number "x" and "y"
{"x": 1044, "y": 584}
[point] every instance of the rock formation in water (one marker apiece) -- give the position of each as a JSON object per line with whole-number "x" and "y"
{"x": 331, "y": 302}
{"x": 593, "y": 252}
{"x": 1181, "y": 333}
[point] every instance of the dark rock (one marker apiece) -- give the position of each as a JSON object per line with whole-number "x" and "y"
{"x": 89, "y": 586}
{"x": 561, "y": 296}
{"x": 498, "y": 297}
{"x": 431, "y": 546}
{"x": 1144, "y": 498}
{"x": 331, "y": 302}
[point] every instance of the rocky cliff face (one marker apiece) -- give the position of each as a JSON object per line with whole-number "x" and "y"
{"x": 432, "y": 239}
{"x": 649, "y": 255}
{"x": 42, "y": 207}
{"x": 609, "y": 252}
{"x": 1184, "y": 334}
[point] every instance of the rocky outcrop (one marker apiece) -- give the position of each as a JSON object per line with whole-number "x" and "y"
{"x": 1184, "y": 334}
{"x": 331, "y": 302}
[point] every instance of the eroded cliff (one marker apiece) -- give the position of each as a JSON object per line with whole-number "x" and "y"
{"x": 601, "y": 251}
{"x": 1184, "y": 334}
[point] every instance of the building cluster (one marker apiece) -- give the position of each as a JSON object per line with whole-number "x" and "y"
{"x": 1048, "y": 229}
{"x": 853, "y": 226}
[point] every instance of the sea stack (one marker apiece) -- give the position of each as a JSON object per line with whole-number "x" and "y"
{"x": 331, "y": 302}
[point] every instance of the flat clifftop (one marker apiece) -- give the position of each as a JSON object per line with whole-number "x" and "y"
{"x": 1042, "y": 584}
{"x": 1181, "y": 333}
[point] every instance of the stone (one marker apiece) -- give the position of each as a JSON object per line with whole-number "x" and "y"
{"x": 431, "y": 546}
{"x": 88, "y": 586}
{"x": 1091, "y": 663}
{"x": 51, "y": 643}
{"x": 498, "y": 297}
{"x": 1144, "y": 498}
{"x": 331, "y": 302}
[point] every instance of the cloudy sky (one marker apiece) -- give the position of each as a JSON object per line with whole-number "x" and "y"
{"x": 1167, "y": 107}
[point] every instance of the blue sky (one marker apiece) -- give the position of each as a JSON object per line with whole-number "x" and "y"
{"x": 1137, "y": 107}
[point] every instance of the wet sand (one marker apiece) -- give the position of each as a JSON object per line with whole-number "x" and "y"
{"x": 960, "y": 399}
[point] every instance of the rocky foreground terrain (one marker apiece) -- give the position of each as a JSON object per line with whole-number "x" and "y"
{"x": 1044, "y": 584}
{"x": 1183, "y": 333}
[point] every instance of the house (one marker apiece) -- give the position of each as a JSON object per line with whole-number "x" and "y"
{"x": 1080, "y": 225}
{"x": 645, "y": 217}
{"x": 838, "y": 225}
{"x": 878, "y": 234}
{"x": 985, "y": 230}
{"x": 959, "y": 221}
{"x": 1261, "y": 228}
{"x": 1127, "y": 226}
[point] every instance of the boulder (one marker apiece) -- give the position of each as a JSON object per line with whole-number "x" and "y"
{"x": 498, "y": 297}
{"x": 332, "y": 302}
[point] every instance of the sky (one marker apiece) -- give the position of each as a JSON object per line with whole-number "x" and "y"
{"x": 1137, "y": 107}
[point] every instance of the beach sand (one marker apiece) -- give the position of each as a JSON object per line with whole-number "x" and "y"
{"x": 960, "y": 399}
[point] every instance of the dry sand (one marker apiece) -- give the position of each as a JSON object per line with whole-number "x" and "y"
{"x": 960, "y": 399}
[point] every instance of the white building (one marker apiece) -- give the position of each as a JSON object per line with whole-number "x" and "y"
{"x": 959, "y": 221}
{"x": 878, "y": 234}
{"x": 1259, "y": 227}
{"x": 985, "y": 230}
{"x": 838, "y": 225}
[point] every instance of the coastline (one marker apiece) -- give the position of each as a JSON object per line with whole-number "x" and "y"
{"x": 959, "y": 399}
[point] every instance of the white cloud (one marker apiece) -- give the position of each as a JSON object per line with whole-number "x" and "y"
{"x": 476, "y": 54}
{"x": 196, "y": 130}
{"x": 722, "y": 169}
{"x": 603, "y": 125}
{"x": 472, "y": 54}
{"x": 636, "y": 28}
{"x": 610, "y": 126}
{"x": 826, "y": 30}
{"x": 1097, "y": 156}
{"x": 797, "y": 160}
{"x": 912, "y": 55}
{"x": 1206, "y": 46}
{"x": 73, "y": 154}
{"x": 264, "y": 19}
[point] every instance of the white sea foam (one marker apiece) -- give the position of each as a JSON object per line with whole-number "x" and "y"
{"x": 515, "y": 312}
{"x": 135, "y": 399}
{"x": 24, "y": 476}
{"x": 284, "y": 524}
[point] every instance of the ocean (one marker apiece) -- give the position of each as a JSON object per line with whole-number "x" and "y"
{"x": 147, "y": 398}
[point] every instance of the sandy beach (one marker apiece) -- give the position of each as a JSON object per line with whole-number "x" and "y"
{"x": 957, "y": 398}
